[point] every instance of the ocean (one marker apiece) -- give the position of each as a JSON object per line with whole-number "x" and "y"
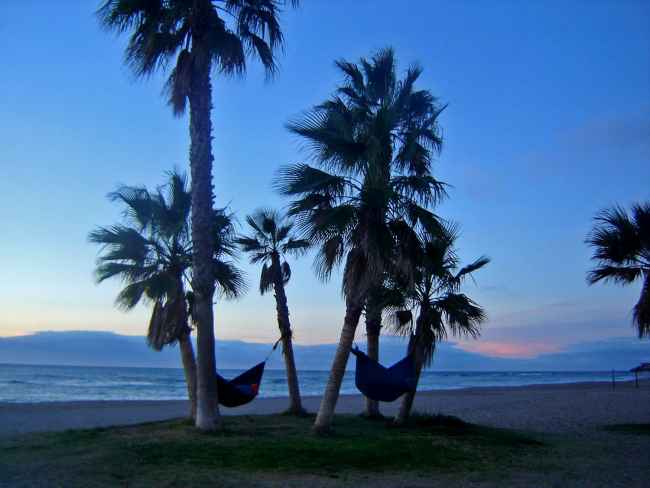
{"x": 24, "y": 383}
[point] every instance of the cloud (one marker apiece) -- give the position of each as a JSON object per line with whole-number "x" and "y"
{"x": 509, "y": 349}
{"x": 628, "y": 134}
{"x": 549, "y": 328}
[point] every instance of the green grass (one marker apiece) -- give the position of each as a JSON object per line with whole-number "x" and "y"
{"x": 639, "y": 429}
{"x": 258, "y": 446}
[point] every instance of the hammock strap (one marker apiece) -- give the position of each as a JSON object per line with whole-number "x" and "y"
{"x": 275, "y": 346}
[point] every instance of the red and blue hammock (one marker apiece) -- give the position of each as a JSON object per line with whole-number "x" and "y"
{"x": 242, "y": 389}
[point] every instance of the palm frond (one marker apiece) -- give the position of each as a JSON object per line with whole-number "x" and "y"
{"x": 615, "y": 237}
{"x": 130, "y": 295}
{"x": 424, "y": 189}
{"x": 286, "y": 272}
{"x": 193, "y": 36}
{"x": 470, "y": 268}
{"x": 373, "y": 142}
{"x": 127, "y": 272}
{"x": 250, "y": 244}
{"x": 462, "y": 315}
{"x": 618, "y": 274}
{"x": 121, "y": 243}
{"x": 266, "y": 279}
{"x": 302, "y": 178}
{"x": 229, "y": 279}
{"x": 401, "y": 322}
{"x": 296, "y": 247}
{"x": 329, "y": 255}
{"x": 138, "y": 203}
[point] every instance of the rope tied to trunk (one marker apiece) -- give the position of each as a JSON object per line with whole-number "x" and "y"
{"x": 275, "y": 346}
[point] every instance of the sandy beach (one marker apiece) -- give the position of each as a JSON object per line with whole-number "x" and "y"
{"x": 579, "y": 407}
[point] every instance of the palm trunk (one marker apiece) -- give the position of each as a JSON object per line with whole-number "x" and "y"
{"x": 373, "y": 329}
{"x": 642, "y": 309}
{"x": 295, "y": 403}
{"x": 416, "y": 348}
{"x": 189, "y": 367}
{"x": 328, "y": 404}
{"x": 207, "y": 412}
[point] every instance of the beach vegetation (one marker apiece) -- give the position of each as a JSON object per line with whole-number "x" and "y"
{"x": 638, "y": 429}
{"x": 269, "y": 244}
{"x": 261, "y": 447}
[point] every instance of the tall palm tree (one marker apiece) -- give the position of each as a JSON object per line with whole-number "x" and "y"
{"x": 621, "y": 245}
{"x": 272, "y": 239}
{"x": 151, "y": 253}
{"x": 192, "y": 38}
{"x": 441, "y": 308}
{"x": 374, "y": 142}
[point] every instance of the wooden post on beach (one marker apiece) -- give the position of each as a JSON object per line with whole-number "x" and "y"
{"x": 613, "y": 380}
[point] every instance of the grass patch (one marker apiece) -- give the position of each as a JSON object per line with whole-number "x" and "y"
{"x": 638, "y": 429}
{"x": 448, "y": 425}
{"x": 258, "y": 445}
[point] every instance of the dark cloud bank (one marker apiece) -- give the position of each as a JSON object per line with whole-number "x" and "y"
{"x": 85, "y": 348}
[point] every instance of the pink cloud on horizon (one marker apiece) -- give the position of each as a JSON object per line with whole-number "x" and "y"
{"x": 509, "y": 349}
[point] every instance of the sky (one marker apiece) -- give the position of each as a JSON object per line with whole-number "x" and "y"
{"x": 548, "y": 121}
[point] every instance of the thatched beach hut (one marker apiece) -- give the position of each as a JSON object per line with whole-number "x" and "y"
{"x": 643, "y": 367}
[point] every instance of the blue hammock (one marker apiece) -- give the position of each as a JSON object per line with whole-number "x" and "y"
{"x": 384, "y": 384}
{"x": 242, "y": 389}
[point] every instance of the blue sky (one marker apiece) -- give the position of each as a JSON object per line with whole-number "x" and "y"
{"x": 548, "y": 122}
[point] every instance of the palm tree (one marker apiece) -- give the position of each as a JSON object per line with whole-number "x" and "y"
{"x": 270, "y": 242}
{"x": 442, "y": 309}
{"x": 386, "y": 296}
{"x": 373, "y": 142}
{"x": 151, "y": 253}
{"x": 621, "y": 245}
{"x": 193, "y": 38}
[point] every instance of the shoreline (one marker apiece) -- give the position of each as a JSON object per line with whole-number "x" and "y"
{"x": 460, "y": 389}
{"x": 551, "y": 408}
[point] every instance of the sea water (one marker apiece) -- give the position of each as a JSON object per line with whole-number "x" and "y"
{"x": 24, "y": 383}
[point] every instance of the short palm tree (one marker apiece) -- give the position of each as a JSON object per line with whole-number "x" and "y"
{"x": 386, "y": 296}
{"x": 151, "y": 253}
{"x": 373, "y": 143}
{"x": 441, "y": 308}
{"x": 193, "y": 38}
{"x": 272, "y": 239}
{"x": 621, "y": 245}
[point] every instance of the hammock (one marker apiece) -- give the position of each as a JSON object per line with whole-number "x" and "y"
{"x": 384, "y": 384}
{"x": 242, "y": 389}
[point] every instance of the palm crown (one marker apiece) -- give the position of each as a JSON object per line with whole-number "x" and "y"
{"x": 195, "y": 35}
{"x": 373, "y": 141}
{"x": 442, "y": 309}
{"x": 621, "y": 245}
{"x": 271, "y": 240}
{"x": 152, "y": 253}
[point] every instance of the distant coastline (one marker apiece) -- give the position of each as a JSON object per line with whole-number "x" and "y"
{"x": 104, "y": 349}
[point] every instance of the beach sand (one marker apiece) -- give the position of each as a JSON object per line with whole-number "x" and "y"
{"x": 570, "y": 408}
